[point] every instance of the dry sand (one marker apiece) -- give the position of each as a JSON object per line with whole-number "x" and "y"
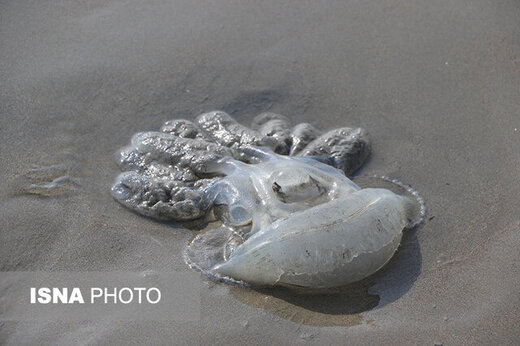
{"x": 436, "y": 83}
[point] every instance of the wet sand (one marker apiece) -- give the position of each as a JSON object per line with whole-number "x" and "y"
{"x": 435, "y": 83}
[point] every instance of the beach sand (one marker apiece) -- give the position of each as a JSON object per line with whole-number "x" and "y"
{"x": 435, "y": 83}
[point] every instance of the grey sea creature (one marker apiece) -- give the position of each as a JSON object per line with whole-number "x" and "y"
{"x": 289, "y": 213}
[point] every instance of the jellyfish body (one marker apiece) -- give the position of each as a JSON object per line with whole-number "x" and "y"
{"x": 289, "y": 213}
{"x": 302, "y": 223}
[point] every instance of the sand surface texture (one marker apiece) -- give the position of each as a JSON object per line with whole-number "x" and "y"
{"x": 436, "y": 83}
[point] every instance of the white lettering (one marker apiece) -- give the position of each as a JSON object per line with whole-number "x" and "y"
{"x": 114, "y": 295}
{"x": 60, "y": 295}
{"x": 76, "y": 296}
{"x": 45, "y": 295}
{"x": 139, "y": 289}
{"x": 121, "y": 295}
{"x": 158, "y": 295}
{"x": 125, "y": 295}
{"x": 93, "y": 295}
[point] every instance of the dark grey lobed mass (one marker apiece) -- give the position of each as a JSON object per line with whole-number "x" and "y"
{"x": 168, "y": 175}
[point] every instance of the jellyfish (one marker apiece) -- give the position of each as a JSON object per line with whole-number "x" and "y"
{"x": 288, "y": 213}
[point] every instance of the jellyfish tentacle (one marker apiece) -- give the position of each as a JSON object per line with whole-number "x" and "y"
{"x": 184, "y": 128}
{"x": 161, "y": 199}
{"x": 226, "y": 131}
{"x": 167, "y": 174}
{"x": 275, "y": 127}
{"x": 301, "y": 135}
{"x": 268, "y": 123}
{"x": 192, "y": 154}
{"x": 348, "y": 148}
